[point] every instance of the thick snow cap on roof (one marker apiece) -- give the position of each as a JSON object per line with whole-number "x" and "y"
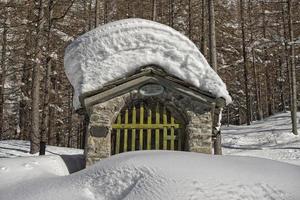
{"x": 118, "y": 49}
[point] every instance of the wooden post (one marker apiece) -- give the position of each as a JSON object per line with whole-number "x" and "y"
{"x": 133, "y": 136}
{"x": 165, "y": 142}
{"x": 157, "y": 118}
{"x": 149, "y": 120}
{"x": 172, "y": 133}
{"x": 126, "y": 131}
{"x": 141, "y": 122}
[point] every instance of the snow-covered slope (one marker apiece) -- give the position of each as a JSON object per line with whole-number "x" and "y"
{"x": 270, "y": 138}
{"x": 162, "y": 174}
{"x": 168, "y": 175}
{"x": 17, "y": 170}
{"x": 116, "y": 50}
{"x": 17, "y": 165}
{"x": 18, "y": 148}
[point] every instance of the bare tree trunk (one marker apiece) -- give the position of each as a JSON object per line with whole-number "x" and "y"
{"x": 203, "y": 30}
{"x": 281, "y": 80}
{"x": 269, "y": 89}
{"x": 45, "y": 113}
{"x": 212, "y": 35}
{"x": 190, "y": 20}
{"x": 171, "y": 13}
{"x": 279, "y": 76}
{"x": 128, "y": 12}
{"x": 259, "y": 114}
{"x": 3, "y": 73}
{"x": 24, "y": 113}
{"x": 48, "y": 61}
{"x": 86, "y": 15}
{"x": 52, "y": 111}
{"x": 51, "y": 124}
{"x": 97, "y": 13}
{"x": 70, "y": 124}
{"x": 213, "y": 63}
{"x": 36, "y": 75}
{"x": 248, "y": 106}
{"x": 286, "y": 55}
{"x": 153, "y": 10}
{"x": 35, "y": 133}
{"x": 293, "y": 71}
{"x": 228, "y": 116}
{"x": 105, "y": 12}
{"x": 259, "y": 88}
{"x": 90, "y": 15}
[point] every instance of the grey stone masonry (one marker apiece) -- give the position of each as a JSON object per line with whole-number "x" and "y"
{"x": 199, "y": 132}
{"x": 196, "y": 116}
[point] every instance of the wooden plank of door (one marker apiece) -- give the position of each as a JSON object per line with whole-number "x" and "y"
{"x": 133, "y": 137}
{"x": 172, "y": 133}
{"x": 157, "y": 118}
{"x": 165, "y": 133}
{"x": 126, "y": 131}
{"x": 149, "y": 120}
{"x": 117, "y": 150}
{"x": 141, "y": 130}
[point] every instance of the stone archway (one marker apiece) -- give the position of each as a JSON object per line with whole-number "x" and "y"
{"x": 197, "y": 118}
{"x": 148, "y": 125}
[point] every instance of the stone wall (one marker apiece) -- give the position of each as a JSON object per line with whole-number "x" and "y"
{"x": 197, "y": 118}
{"x": 199, "y": 133}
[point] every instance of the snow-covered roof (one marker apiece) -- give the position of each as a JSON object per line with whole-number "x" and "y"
{"x": 118, "y": 49}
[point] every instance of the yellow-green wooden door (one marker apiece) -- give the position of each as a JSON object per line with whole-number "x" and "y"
{"x": 144, "y": 127}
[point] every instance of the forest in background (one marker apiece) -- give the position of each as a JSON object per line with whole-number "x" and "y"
{"x": 257, "y": 44}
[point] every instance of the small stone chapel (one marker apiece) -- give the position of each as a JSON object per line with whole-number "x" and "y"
{"x": 144, "y": 86}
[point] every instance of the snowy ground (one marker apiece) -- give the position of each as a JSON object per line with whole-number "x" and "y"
{"x": 19, "y": 148}
{"x": 17, "y": 165}
{"x": 162, "y": 174}
{"x": 168, "y": 175}
{"x": 270, "y": 138}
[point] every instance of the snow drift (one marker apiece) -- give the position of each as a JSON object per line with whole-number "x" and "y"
{"x": 268, "y": 138}
{"x": 168, "y": 175}
{"x": 20, "y": 148}
{"x": 116, "y": 50}
{"x": 17, "y": 165}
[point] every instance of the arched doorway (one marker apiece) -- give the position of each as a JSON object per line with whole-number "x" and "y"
{"x": 148, "y": 125}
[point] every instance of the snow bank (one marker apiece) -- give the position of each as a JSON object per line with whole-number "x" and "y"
{"x": 270, "y": 138}
{"x": 18, "y": 148}
{"x": 168, "y": 175}
{"x": 16, "y": 170}
{"x": 118, "y": 49}
{"x": 17, "y": 165}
